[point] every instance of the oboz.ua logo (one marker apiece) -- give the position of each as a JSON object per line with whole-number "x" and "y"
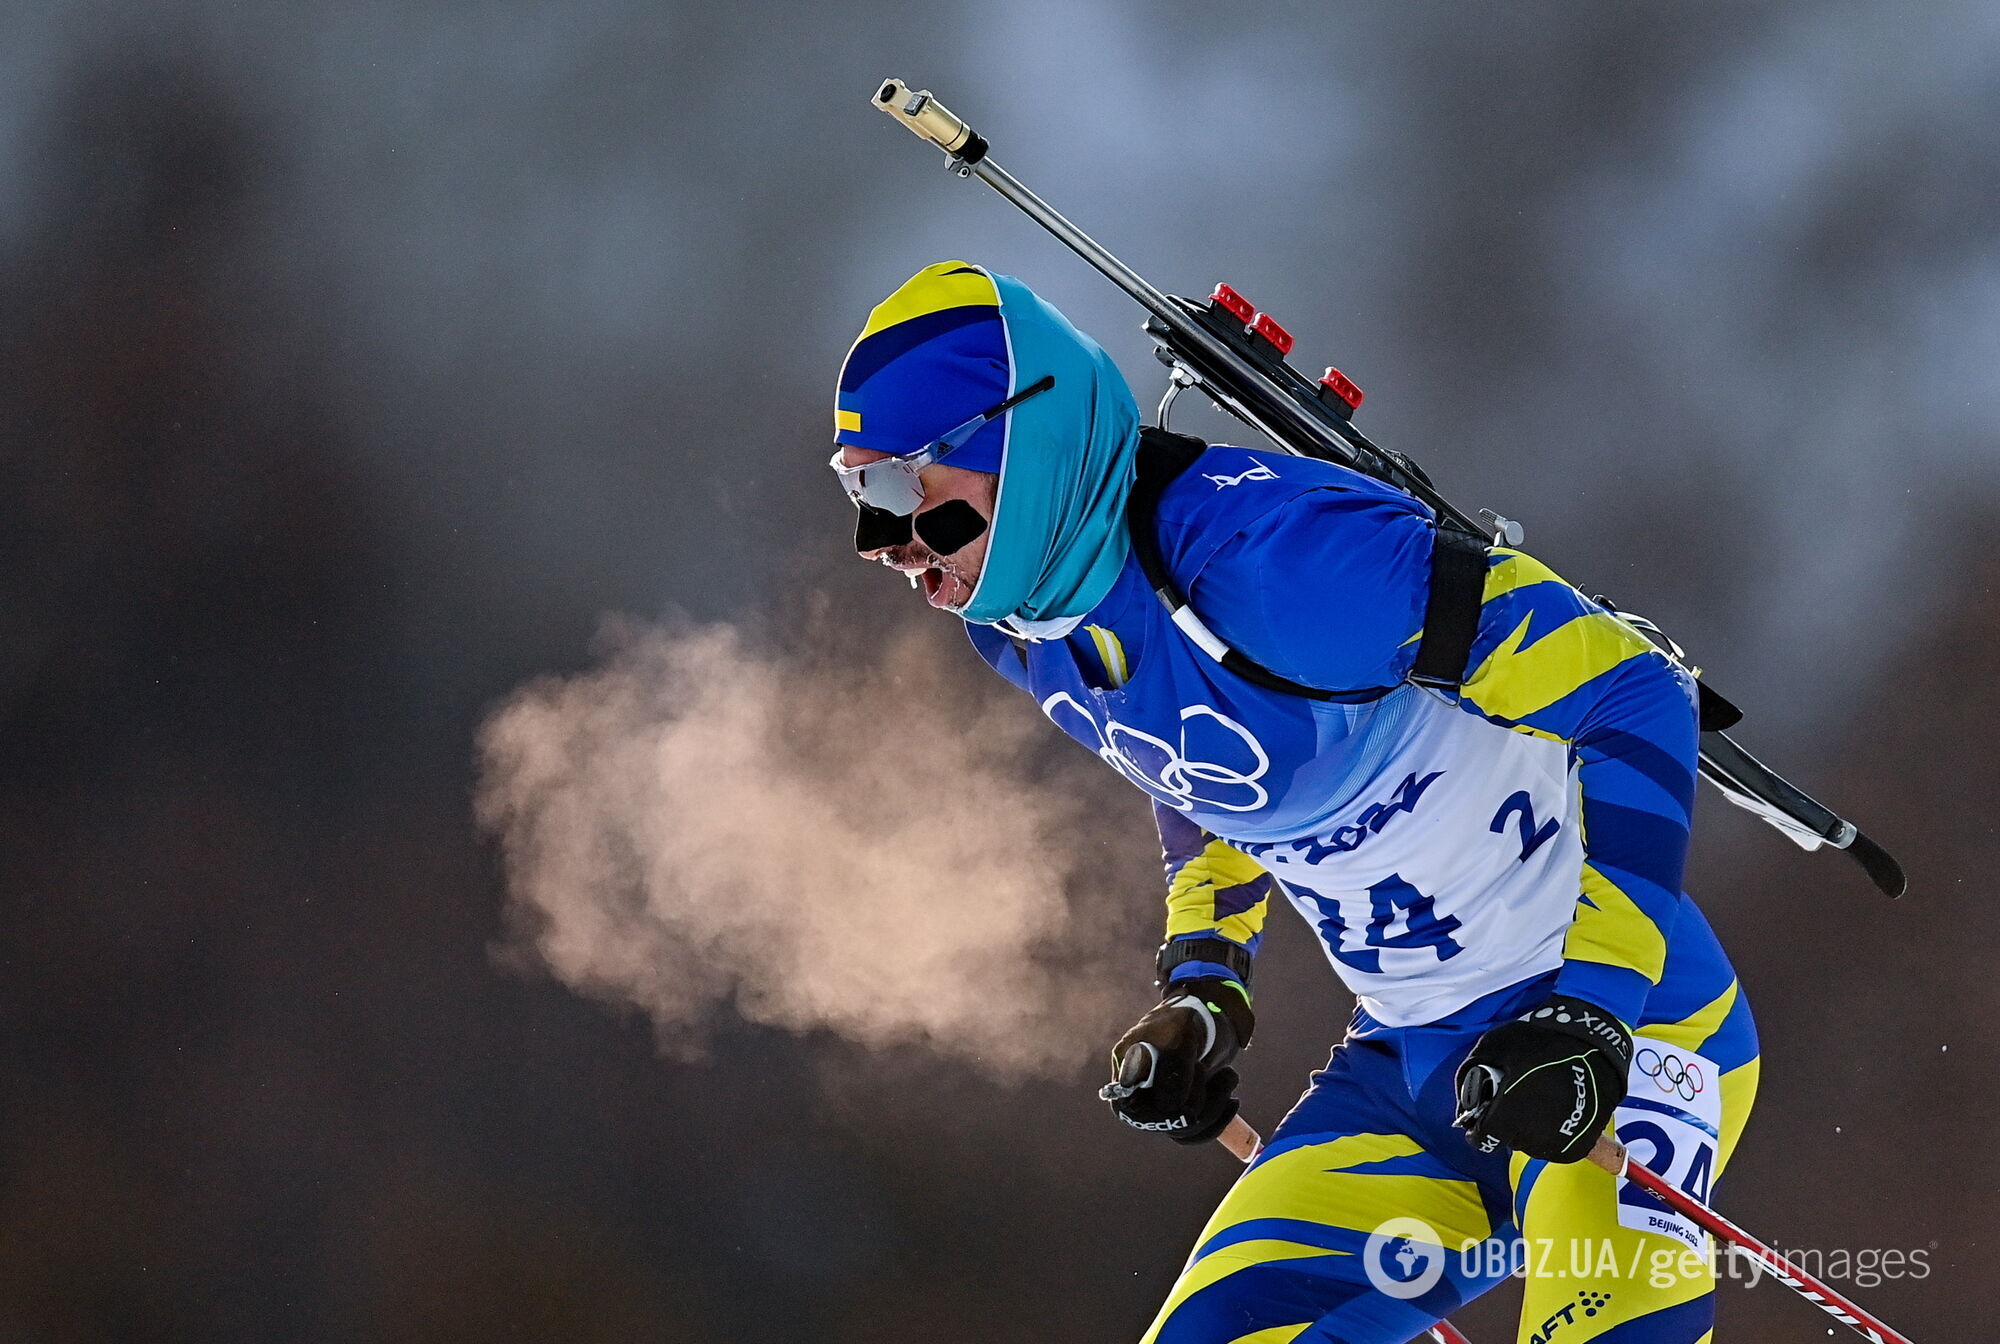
{"x": 1672, "y": 1074}
{"x": 1403, "y": 1258}
{"x": 1216, "y": 765}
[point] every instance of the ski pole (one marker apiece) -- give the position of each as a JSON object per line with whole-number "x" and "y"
{"x": 1243, "y": 1142}
{"x": 1613, "y": 1157}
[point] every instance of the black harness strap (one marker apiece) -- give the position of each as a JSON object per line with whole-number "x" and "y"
{"x": 1451, "y": 615}
{"x": 1161, "y": 458}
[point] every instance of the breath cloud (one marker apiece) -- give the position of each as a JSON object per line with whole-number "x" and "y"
{"x": 819, "y": 844}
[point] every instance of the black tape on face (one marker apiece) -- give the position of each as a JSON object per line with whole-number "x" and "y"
{"x": 878, "y": 529}
{"x": 950, "y": 527}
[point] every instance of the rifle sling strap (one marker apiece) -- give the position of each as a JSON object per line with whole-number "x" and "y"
{"x": 1451, "y": 613}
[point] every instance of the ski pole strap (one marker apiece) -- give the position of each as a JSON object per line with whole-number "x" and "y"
{"x": 1215, "y": 951}
{"x": 1451, "y": 612}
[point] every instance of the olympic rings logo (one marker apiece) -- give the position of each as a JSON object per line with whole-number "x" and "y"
{"x": 1671, "y": 1074}
{"x": 1165, "y": 771}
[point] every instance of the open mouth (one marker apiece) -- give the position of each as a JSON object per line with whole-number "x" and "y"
{"x": 940, "y": 581}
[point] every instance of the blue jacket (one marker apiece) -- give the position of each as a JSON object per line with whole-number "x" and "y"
{"x": 1538, "y": 820}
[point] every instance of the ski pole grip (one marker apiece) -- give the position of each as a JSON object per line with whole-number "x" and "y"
{"x": 1241, "y": 1140}
{"x": 1610, "y": 1154}
{"x": 928, "y": 119}
{"x": 1135, "y": 1070}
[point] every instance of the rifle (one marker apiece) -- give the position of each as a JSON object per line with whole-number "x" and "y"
{"x": 1236, "y": 353}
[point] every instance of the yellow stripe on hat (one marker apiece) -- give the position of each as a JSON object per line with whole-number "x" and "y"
{"x": 847, "y": 420}
{"x": 948, "y": 284}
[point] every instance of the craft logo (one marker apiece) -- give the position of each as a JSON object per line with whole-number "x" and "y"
{"x": 1404, "y": 1258}
{"x": 1587, "y": 1304}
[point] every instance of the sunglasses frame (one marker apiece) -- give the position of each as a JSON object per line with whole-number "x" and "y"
{"x": 896, "y": 488}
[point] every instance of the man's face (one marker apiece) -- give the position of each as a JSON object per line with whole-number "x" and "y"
{"x": 947, "y": 580}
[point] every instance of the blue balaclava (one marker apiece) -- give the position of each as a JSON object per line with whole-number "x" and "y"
{"x": 955, "y": 341}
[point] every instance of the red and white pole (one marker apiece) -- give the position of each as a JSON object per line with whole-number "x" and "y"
{"x": 1611, "y": 1155}
{"x": 1243, "y": 1143}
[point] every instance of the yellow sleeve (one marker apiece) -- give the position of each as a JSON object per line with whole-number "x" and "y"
{"x": 1214, "y": 890}
{"x": 1550, "y": 662}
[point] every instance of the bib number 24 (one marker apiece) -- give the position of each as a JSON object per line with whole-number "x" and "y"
{"x": 1399, "y": 917}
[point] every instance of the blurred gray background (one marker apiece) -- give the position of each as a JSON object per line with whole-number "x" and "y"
{"x": 356, "y": 358}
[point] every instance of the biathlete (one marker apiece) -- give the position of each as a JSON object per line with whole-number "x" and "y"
{"x": 1494, "y": 867}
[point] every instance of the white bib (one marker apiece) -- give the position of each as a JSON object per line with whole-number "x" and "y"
{"x": 1672, "y": 1122}
{"x": 1454, "y": 872}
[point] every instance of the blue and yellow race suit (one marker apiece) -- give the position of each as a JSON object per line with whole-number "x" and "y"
{"x": 1461, "y": 858}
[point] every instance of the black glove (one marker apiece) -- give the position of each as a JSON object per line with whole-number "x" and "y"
{"x": 1173, "y": 1066}
{"x": 1547, "y": 1083}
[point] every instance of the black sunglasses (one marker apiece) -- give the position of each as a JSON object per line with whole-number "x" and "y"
{"x": 951, "y": 526}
